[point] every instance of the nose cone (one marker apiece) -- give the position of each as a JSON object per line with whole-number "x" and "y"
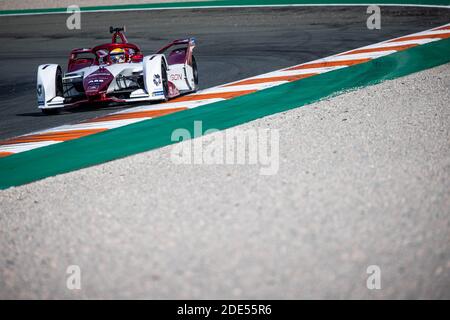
{"x": 97, "y": 82}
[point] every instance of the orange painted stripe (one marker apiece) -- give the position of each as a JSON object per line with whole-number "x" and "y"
{"x": 271, "y": 79}
{"x": 135, "y": 115}
{"x": 396, "y": 48}
{"x": 218, "y": 95}
{"x": 429, "y": 36}
{"x": 5, "y": 154}
{"x": 52, "y": 136}
{"x": 330, "y": 64}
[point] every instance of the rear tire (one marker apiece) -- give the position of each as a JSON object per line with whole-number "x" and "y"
{"x": 195, "y": 72}
{"x": 164, "y": 80}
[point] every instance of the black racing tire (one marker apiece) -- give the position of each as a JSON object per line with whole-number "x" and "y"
{"x": 165, "y": 81}
{"x": 58, "y": 83}
{"x": 195, "y": 72}
{"x": 51, "y": 111}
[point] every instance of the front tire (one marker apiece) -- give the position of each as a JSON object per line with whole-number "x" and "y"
{"x": 58, "y": 83}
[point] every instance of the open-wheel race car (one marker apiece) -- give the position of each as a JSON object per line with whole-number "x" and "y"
{"x": 118, "y": 72}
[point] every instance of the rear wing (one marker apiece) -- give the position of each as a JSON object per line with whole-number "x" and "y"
{"x": 118, "y": 34}
{"x": 182, "y": 52}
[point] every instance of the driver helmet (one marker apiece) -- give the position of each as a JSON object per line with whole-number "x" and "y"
{"x": 117, "y": 55}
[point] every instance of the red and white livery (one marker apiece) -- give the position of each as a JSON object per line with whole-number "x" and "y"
{"x": 118, "y": 72}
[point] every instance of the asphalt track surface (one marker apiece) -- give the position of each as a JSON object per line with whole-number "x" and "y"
{"x": 232, "y": 44}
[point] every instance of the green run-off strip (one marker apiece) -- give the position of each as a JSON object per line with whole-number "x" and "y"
{"x": 48, "y": 161}
{"x": 220, "y": 3}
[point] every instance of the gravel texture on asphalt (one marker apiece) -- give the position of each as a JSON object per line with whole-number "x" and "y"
{"x": 364, "y": 179}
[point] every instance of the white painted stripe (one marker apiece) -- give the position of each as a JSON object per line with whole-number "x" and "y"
{"x": 410, "y": 35}
{"x": 358, "y": 56}
{"x": 286, "y": 72}
{"x": 387, "y": 43}
{"x": 237, "y": 88}
{"x": 94, "y": 125}
{"x": 197, "y": 103}
{"x": 341, "y": 57}
{"x": 310, "y": 70}
{"x": 432, "y": 32}
{"x": 344, "y": 56}
{"x": 396, "y": 44}
{"x": 443, "y": 26}
{"x": 368, "y": 55}
{"x": 242, "y": 6}
{"x": 170, "y": 105}
{"x": 21, "y": 147}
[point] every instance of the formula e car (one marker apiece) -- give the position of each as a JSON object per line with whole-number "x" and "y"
{"x": 118, "y": 72}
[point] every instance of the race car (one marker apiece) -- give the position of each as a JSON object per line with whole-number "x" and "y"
{"x": 118, "y": 72}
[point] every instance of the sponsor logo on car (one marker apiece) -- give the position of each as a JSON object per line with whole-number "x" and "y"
{"x": 158, "y": 93}
{"x": 157, "y": 79}
{"x": 96, "y": 81}
{"x": 175, "y": 77}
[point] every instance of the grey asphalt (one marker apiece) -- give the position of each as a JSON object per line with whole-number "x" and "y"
{"x": 232, "y": 44}
{"x": 363, "y": 180}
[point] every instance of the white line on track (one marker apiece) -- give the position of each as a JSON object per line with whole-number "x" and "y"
{"x": 170, "y": 105}
{"x": 398, "y": 43}
{"x": 93, "y": 125}
{"x": 258, "y": 86}
{"x": 21, "y": 147}
{"x": 299, "y": 72}
{"x": 240, "y": 6}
